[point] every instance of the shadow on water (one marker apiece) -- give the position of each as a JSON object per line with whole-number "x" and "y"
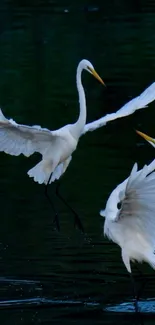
{"x": 72, "y": 278}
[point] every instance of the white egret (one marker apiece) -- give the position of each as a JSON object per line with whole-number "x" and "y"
{"x": 132, "y": 224}
{"x": 56, "y": 147}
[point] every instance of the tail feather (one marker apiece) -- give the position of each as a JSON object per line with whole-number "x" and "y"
{"x": 2, "y": 117}
{"x": 40, "y": 173}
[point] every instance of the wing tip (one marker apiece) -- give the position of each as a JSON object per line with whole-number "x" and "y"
{"x": 2, "y": 117}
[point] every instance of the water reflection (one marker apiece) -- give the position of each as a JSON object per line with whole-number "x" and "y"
{"x": 147, "y": 306}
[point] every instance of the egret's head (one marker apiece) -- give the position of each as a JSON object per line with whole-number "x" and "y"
{"x": 147, "y": 138}
{"x": 113, "y": 205}
{"x": 86, "y": 65}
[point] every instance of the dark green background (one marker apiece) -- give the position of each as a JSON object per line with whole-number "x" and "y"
{"x": 40, "y": 47}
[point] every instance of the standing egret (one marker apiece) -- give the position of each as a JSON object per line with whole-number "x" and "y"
{"x": 130, "y": 217}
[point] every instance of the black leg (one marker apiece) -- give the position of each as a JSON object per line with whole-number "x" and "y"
{"x": 143, "y": 282}
{"x": 56, "y": 217}
{"x": 134, "y": 293}
{"x": 136, "y": 297}
{"x": 78, "y": 222}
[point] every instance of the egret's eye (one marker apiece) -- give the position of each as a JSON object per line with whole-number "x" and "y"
{"x": 119, "y": 205}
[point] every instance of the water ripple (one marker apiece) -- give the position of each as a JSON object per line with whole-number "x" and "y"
{"x": 146, "y": 306}
{"x": 44, "y": 301}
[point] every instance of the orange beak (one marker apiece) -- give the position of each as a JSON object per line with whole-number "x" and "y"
{"x": 145, "y": 136}
{"x": 95, "y": 74}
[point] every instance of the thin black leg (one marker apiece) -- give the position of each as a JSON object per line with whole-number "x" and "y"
{"x": 78, "y": 222}
{"x": 134, "y": 293}
{"x": 143, "y": 282}
{"x": 56, "y": 217}
{"x": 138, "y": 314}
{"x": 137, "y": 311}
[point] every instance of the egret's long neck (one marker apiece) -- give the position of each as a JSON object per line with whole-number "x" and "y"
{"x": 79, "y": 125}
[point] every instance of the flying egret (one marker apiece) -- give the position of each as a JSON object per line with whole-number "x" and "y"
{"x": 147, "y": 138}
{"x": 56, "y": 147}
{"x": 130, "y": 217}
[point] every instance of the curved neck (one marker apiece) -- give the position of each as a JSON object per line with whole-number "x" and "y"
{"x": 79, "y": 125}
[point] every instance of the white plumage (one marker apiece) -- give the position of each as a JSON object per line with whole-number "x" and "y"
{"x": 56, "y": 147}
{"x": 141, "y": 101}
{"x": 132, "y": 226}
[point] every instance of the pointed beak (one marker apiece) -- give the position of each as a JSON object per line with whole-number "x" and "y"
{"x": 95, "y": 74}
{"x": 146, "y": 137}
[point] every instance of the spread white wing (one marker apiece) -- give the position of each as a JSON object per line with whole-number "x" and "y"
{"x": 119, "y": 194}
{"x": 138, "y": 205}
{"x": 137, "y": 214}
{"x": 16, "y": 139}
{"x": 133, "y": 105}
{"x": 132, "y": 226}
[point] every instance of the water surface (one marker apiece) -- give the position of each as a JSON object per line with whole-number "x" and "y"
{"x": 65, "y": 277}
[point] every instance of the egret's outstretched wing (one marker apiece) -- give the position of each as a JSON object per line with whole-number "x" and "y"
{"x": 138, "y": 206}
{"x": 133, "y": 105}
{"x": 119, "y": 193}
{"x": 16, "y": 139}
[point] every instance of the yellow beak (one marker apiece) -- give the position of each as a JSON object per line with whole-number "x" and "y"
{"x": 145, "y": 136}
{"x": 95, "y": 74}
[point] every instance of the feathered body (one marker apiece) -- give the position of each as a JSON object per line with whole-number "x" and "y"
{"x": 56, "y": 161}
{"x": 56, "y": 147}
{"x": 132, "y": 226}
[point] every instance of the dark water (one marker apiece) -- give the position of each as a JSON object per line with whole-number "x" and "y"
{"x": 48, "y": 277}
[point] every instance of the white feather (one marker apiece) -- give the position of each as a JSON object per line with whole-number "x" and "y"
{"x": 16, "y": 139}
{"x": 56, "y": 147}
{"x": 60, "y": 169}
{"x": 133, "y": 105}
{"x": 132, "y": 226}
